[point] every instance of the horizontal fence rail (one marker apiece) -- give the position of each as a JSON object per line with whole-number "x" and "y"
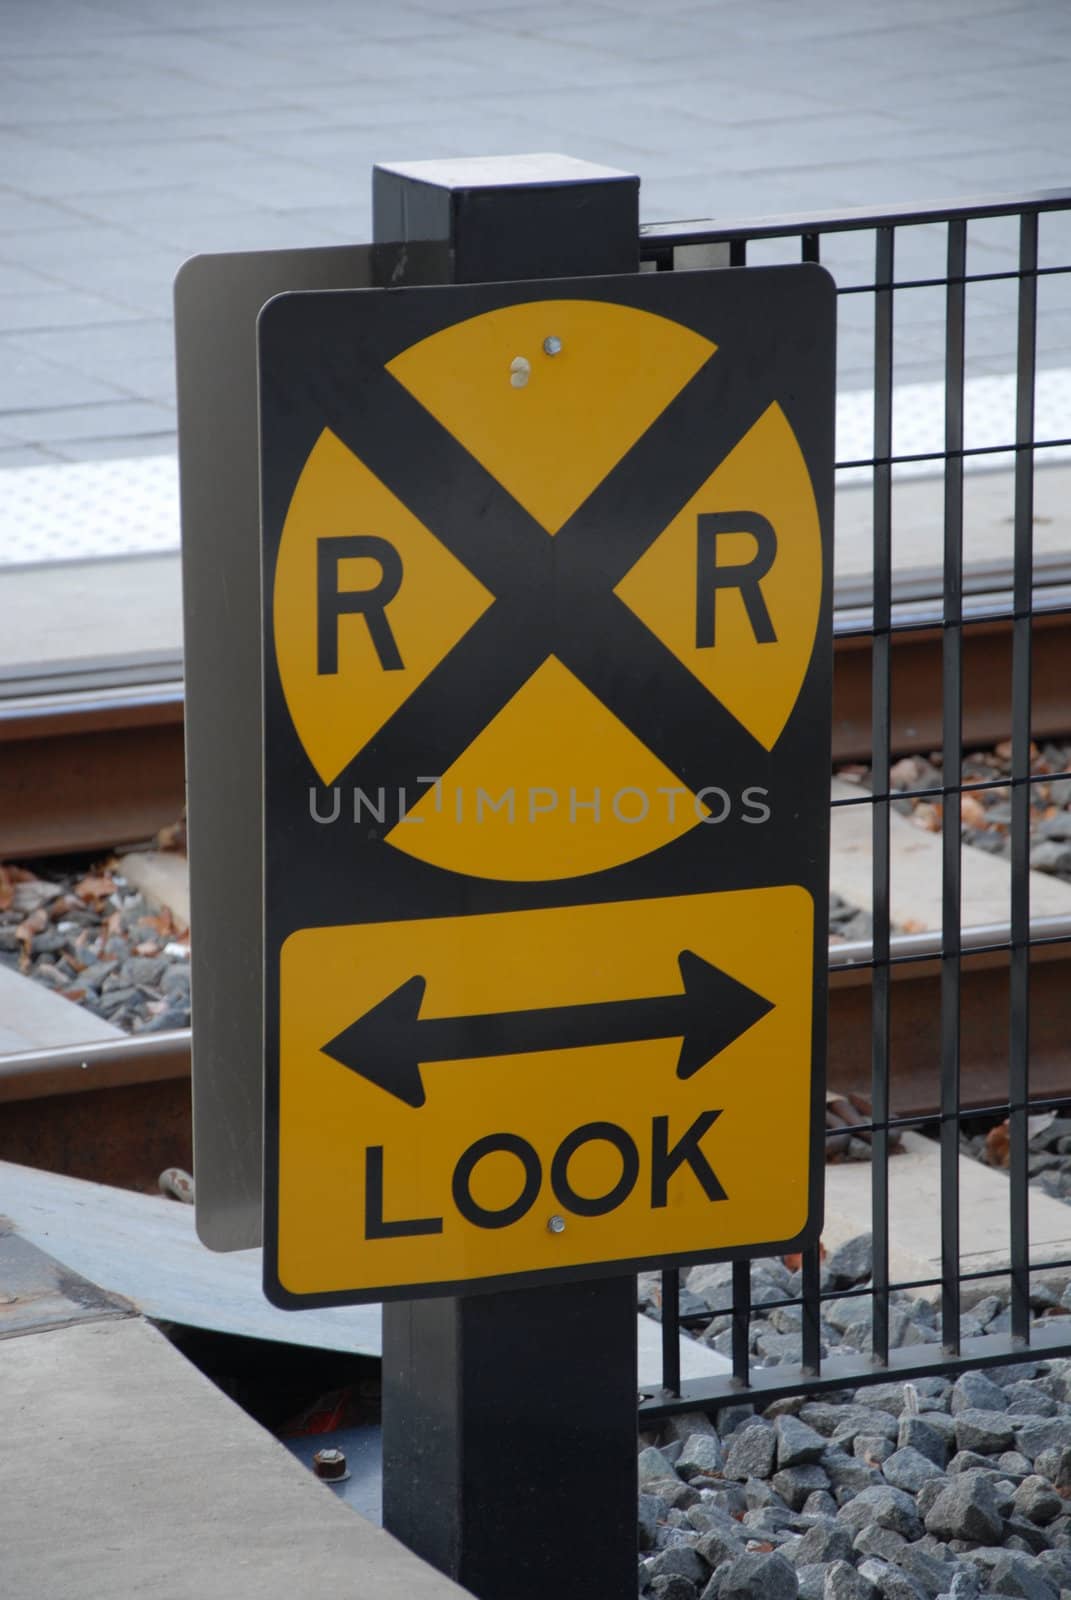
{"x": 951, "y": 251}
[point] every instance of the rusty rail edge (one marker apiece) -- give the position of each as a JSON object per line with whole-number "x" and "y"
{"x": 916, "y": 965}
{"x": 103, "y": 1064}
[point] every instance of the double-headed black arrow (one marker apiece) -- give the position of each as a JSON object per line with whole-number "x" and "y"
{"x": 389, "y": 1043}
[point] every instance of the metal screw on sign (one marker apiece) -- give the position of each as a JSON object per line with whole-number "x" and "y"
{"x": 552, "y": 345}
{"x": 555, "y": 1224}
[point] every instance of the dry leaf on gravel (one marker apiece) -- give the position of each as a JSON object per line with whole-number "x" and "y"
{"x": 97, "y": 886}
{"x": 927, "y": 816}
{"x": 173, "y": 837}
{"x": 972, "y": 812}
{"x": 26, "y": 931}
{"x": 998, "y": 1146}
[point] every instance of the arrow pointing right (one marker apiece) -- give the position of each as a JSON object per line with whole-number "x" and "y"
{"x": 390, "y": 1043}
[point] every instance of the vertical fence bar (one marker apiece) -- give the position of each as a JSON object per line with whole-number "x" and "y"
{"x": 810, "y": 247}
{"x": 741, "y": 1322}
{"x": 738, "y": 252}
{"x": 952, "y": 768}
{"x": 881, "y": 718}
{"x": 671, "y": 1330}
{"x": 1019, "y": 958}
{"x": 811, "y": 1349}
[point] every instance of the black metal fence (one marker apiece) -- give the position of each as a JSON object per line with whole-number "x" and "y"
{"x": 971, "y": 266}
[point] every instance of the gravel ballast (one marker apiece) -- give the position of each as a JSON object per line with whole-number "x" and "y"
{"x": 945, "y": 1488}
{"x": 90, "y": 937}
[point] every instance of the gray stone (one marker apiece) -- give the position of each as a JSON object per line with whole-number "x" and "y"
{"x": 812, "y": 1581}
{"x": 1038, "y": 1501}
{"x": 1054, "y": 1463}
{"x": 883, "y": 1397}
{"x": 1016, "y": 1574}
{"x": 759, "y": 1576}
{"x": 933, "y": 1569}
{"x": 730, "y": 1418}
{"x": 821, "y": 1504}
{"x": 706, "y": 1517}
{"x": 824, "y": 1415}
{"x": 718, "y": 1547}
{"x": 650, "y": 1511}
{"x": 1013, "y": 1464}
{"x": 797, "y": 1442}
{"x": 684, "y": 1561}
{"x": 1056, "y": 1565}
{"x": 849, "y": 1312}
{"x": 909, "y": 1469}
{"x": 965, "y": 1585}
{"x": 846, "y": 1473}
{"x": 796, "y": 1484}
{"x": 778, "y": 1349}
{"x": 653, "y": 1467}
{"x": 1027, "y": 1400}
{"x": 867, "y": 1420}
{"x": 928, "y": 1494}
{"x": 973, "y": 1391}
{"x": 986, "y": 1432}
{"x": 880, "y": 1542}
{"x": 1048, "y": 1433}
{"x": 1020, "y": 1534}
{"x": 888, "y": 1507}
{"x": 671, "y": 1450}
{"x": 919, "y": 1433}
{"x": 851, "y": 1263}
{"x": 752, "y": 1452}
{"x": 966, "y": 1509}
{"x": 889, "y": 1581}
{"x": 971, "y": 1461}
{"x": 142, "y": 970}
{"x": 872, "y": 1448}
{"x": 823, "y": 1544}
{"x": 843, "y": 1582}
{"x": 701, "y": 1455}
{"x": 687, "y": 1424}
{"x": 759, "y": 1493}
{"x": 672, "y": 1586}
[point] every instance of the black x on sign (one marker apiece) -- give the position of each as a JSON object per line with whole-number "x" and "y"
{"x": 546, "y": 604}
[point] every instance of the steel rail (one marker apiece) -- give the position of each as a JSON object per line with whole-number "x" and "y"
{"x": 915, "y": 966}
{"x": 86, "y": 768}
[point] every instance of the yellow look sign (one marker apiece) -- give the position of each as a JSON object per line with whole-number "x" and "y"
{"x": 547, "y": 666}
{"x": 470, "y": 1096}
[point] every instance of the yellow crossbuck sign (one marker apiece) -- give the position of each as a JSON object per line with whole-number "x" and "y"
{"x": 546, "y": 617}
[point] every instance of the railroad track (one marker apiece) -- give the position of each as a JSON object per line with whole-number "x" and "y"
{"x": 119, "y": 1111}
{"x": 87, "y": 764}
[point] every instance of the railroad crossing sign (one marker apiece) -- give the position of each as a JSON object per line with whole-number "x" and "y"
{"x": 547, "y": 702}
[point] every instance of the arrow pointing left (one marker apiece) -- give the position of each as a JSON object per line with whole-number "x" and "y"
{"x": 390, "y": 1042}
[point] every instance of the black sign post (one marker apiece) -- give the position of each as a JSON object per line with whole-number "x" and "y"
{"x": 509, "y": 1420}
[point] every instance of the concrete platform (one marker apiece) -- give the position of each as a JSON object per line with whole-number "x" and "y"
{"x": 127, "y": 1473}
{"x": 146, "y": 1250}
{"x": 915, "y": 876}
{"x": 32, "y": 1017}
{"x": 915, "y": 1218}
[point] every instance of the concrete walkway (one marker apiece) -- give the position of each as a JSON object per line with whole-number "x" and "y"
{"x": 126, "y": 1473}
{"x": 134, "y": 136}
